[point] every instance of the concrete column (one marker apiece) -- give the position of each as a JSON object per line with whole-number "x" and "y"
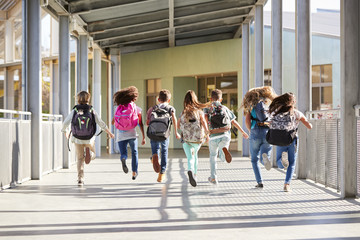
{"x": 97, "y": 92}
{"x": 64, "y": 77}
{"x": 24, "y": 79}
{"x": 245, "y": 75}
{"x": 9, "y": 90}
{"x": 259, "y": 45}
{"x": 350, "y": 75}
{"x": 9, "y": 41}
{"x": 55, "y": 89}
{"x": 276, "y": 41}
{"x": 303, "y": 65}
{"x": 115, "y": 86}
{"x": 33, "y": 68}
{"x": 83, "y": 66}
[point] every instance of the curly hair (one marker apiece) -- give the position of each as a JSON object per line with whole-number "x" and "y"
{"x": 254, "y": 95}
{"x": 126, "y": 95}
{"x": 283, "y": 103}
{"x": 191, "y": 105}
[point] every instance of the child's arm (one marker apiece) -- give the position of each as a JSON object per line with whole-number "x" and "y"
{"x": 248, "y": 121}
{"x": 142, "y": 129}
{"x": 237, "y": 125}
{"x": 177, "y": 135}
{"x": 305, "y": 121}
{"x": 113, "y": 121}
{"x": 205, "y": 126}
{"x": 109, "y": 133}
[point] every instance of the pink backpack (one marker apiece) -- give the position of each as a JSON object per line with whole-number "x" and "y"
{"x": 126, "y": 116}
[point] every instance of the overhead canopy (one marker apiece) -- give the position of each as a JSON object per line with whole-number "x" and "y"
{"x": 139, "y": 25}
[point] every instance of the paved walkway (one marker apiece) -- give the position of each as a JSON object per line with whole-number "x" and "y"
{"x": 112, "y": 206}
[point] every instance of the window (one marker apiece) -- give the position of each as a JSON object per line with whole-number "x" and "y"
{"x": 267, "y": 77}
{"x": 153, "y": 87}
{"x": 322, "y": 87}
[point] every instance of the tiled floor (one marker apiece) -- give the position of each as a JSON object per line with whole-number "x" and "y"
{"x": 113, "y": 206}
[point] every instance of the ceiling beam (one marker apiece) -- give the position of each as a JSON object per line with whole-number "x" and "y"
{"x": 171, "y": 24}
{"x": 144, "y": 47}
{"x": 86, "y": 6}
{"x": 237, "y": 34}
{"x": 210, "y": 38}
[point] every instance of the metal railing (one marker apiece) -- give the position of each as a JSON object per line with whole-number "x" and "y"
{"x": 15, "y": 161}
{"x": 323, "y": 147}
{"x": 357, "y": 115}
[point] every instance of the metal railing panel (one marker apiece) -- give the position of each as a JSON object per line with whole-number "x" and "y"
{"x": 357, "y": 114}
{"x": 58, "y": 146}
{"x": 311, "y": 152}
{"x": 320, "y": 151}
{"x": 6, "y": 152}
{"x": 331, "y": 153}
{"x": 47, "y": 147}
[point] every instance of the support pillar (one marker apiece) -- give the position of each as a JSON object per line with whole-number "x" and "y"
{"x": 115, "y": 86}
{"x": 303, "y": 65}
{"x": 245, "y": 76}
{"x": 83, "y": 66}
{"x": 350, "y": 96}
{"x": 55, "y": 89}
{"x": 259, "y": 45}
{"x": 33, "y": 68}
{"x": 24, "y": 78}
{"x": 9, "y": 41}
{"x": 64, "y": 77}
{"x": 276, "y": 35}
{"x": 97, "y": 92}
{"x": 9, "y": 90}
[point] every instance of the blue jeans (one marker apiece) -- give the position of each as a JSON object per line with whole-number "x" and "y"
{"x": 258, "y": 146}
{"x": 155, "y": 148}
{"x": 191, "y": 151}
{"x": 134, "y": 152}
{"x": 292, "y": 150}
{"x": 215, "y": 148}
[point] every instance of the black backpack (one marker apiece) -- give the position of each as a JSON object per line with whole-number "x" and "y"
{"x": 160, "y": 123}
{"x": 282, "y": 130}
{"x": 83, "y": 125}
{"x": 218, "y": 117}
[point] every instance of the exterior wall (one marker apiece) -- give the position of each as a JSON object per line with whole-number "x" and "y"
{"x": 186, "y": 61}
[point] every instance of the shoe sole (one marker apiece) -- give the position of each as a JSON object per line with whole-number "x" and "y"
{"x": 284, "y": 160}
{"x": 211, "y": 181}
{"x": 124, "y": 167}
{"x": 160, "y": 179}
{"x": 227, "y": 154}
{"x": 156, "y": 165}
{"x": 191, "y": 179}
{"x": 134, "y": 177}
{"x": 87, "y": 155}
{"x": 266, "y": 161}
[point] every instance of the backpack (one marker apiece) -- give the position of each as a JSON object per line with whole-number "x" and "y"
{"x": 160, "y": 123}
{"x": 218, "y": 117}
{"x": 262, "y": 114}
{"x": 83, "y": 125}
{"x": 282, "y": 130}
{"x": 126, "y": 116}
{"x": 191, "y": 129}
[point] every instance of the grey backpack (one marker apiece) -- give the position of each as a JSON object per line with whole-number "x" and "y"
{"x": 160, "y": 123}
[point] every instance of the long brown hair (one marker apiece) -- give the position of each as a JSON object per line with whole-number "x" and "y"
{"x": 192, "y": 105}
{"x": 254, "y": 95}
{"x": 126, "y": 95}
{"x": 283, "y": 103}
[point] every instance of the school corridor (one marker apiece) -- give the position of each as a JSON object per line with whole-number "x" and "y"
{"x": 113, "y": 206}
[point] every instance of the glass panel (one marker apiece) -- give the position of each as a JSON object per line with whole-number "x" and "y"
{"x": 228, "y": 82}
{"x": 150, "y": 101}
{"x": 326, "y": 98}
{"x": 45, "y": 36}
{"x": 326, "y": 73}
{"x": 225, "y": 99}
{"x": 2, "y": 42}
{"x": 315, "y": 98}
{"x": 158, "y": 85}
{"x": 17, "y": 88}
{"x": 18, "y": 36}
{"x": 202, "y": 90}
{"x": 267, "y": 77}
{"x": 315, "y": 74}
{"x": 150, "y": 86}
{"x": 2, "y": 85}
{"x": 46, "y": 79}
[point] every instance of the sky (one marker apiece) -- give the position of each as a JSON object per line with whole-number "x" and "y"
{"x": 289, "y": 5}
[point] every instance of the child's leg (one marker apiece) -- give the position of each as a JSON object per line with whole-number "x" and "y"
{"x": 134, "y": 154}
{"x": 196, "y": 160}
{"x": 254, "y": 153}
{"x": 155, "y": 147}
{"x": 224, "y": 143}
{"x": 164, "y": 154}
{"x": 279, "y": 151}
{"x": 187, "y": 149}
{"x": 265, "y": 147}
{"x": 123, "y": 149}
{"x": 79, "y": 148}
{"x": 92, "y": 150}
{"x": 213, "y": 149}
{"x": 292, "y": 155}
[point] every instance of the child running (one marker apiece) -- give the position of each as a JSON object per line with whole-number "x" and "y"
{"x": 220, "y": 119}
{"x": 194, "y": 132}
{"x": 159, "y": 120}
{"x": 127, "y": 117}
{"x": 83, "y": 119}
{"x": 286, "y": 119}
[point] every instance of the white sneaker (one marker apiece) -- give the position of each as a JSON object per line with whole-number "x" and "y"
{"x": 284, "y": 160}
{"x": 267, "y": 162}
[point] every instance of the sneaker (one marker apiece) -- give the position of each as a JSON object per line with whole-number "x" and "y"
{"x": 192, "y": 179}
{"x": 87, "y": 155}
{"x": 284, "y": 160}
{"x": 80, "y": 183}
{"x": 212, "y": 180}
{"x": 227, "y": 154}
{"x": 155, "y": 161}
{"x": 160, "y": 177}
{"x": 267, "y": 162}
{"x": 124, "y": 167}
{"x": 259, "y": 185}
{"x": 134, "y": 176}
{"x": 287, "y": 188}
